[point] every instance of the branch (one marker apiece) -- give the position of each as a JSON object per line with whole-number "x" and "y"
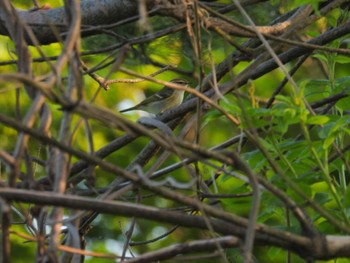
{"x": 190, "y": 247}
{"x": 48, "y": 24}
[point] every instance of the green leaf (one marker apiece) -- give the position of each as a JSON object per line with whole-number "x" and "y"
{"x": 285, "y": 99}
{"x": 321, "y": 198}
{"x": 274, "y": 252}
{"x": 342, "y": 59}
{"x": 315, "y": 89}
{"x": 331, "y": 130}
{"x": 210, "y": 116}
{"x": 317, "y": 120}
{"x": 304, "y": 187}
{"x": 343, "y": 104}
{"x": 329, "y": 140}
{"x": 321, "y": 57}
{"x": 343, "y": 81}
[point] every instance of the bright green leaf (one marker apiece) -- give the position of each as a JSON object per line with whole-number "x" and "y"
{"x": 342, "y": 59}
{"x": 317, "y": 120}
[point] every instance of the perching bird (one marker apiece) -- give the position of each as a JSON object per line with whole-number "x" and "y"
{"x": 162, "y": 100}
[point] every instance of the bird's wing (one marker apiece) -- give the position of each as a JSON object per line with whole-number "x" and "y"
{"x": 129, "y": 109}
{"x": 162, "y": 94}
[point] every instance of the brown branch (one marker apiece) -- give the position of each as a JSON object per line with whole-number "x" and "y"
{"x": 46, "y": 22}
{"x": 183, "y": 248}
{"x": 146, "y": 212}
{"x": 5, "y": 217}
{"x": 336, "y": 245}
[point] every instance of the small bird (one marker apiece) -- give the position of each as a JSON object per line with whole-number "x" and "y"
{"x": 162, "y": 100}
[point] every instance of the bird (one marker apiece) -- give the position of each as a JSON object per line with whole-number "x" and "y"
{"x": 162, "y": 100}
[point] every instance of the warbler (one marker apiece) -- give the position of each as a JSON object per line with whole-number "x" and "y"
{"x": 162, "y": 100}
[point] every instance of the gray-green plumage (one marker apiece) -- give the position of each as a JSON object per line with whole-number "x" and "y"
{"x": 165, "y": 99}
